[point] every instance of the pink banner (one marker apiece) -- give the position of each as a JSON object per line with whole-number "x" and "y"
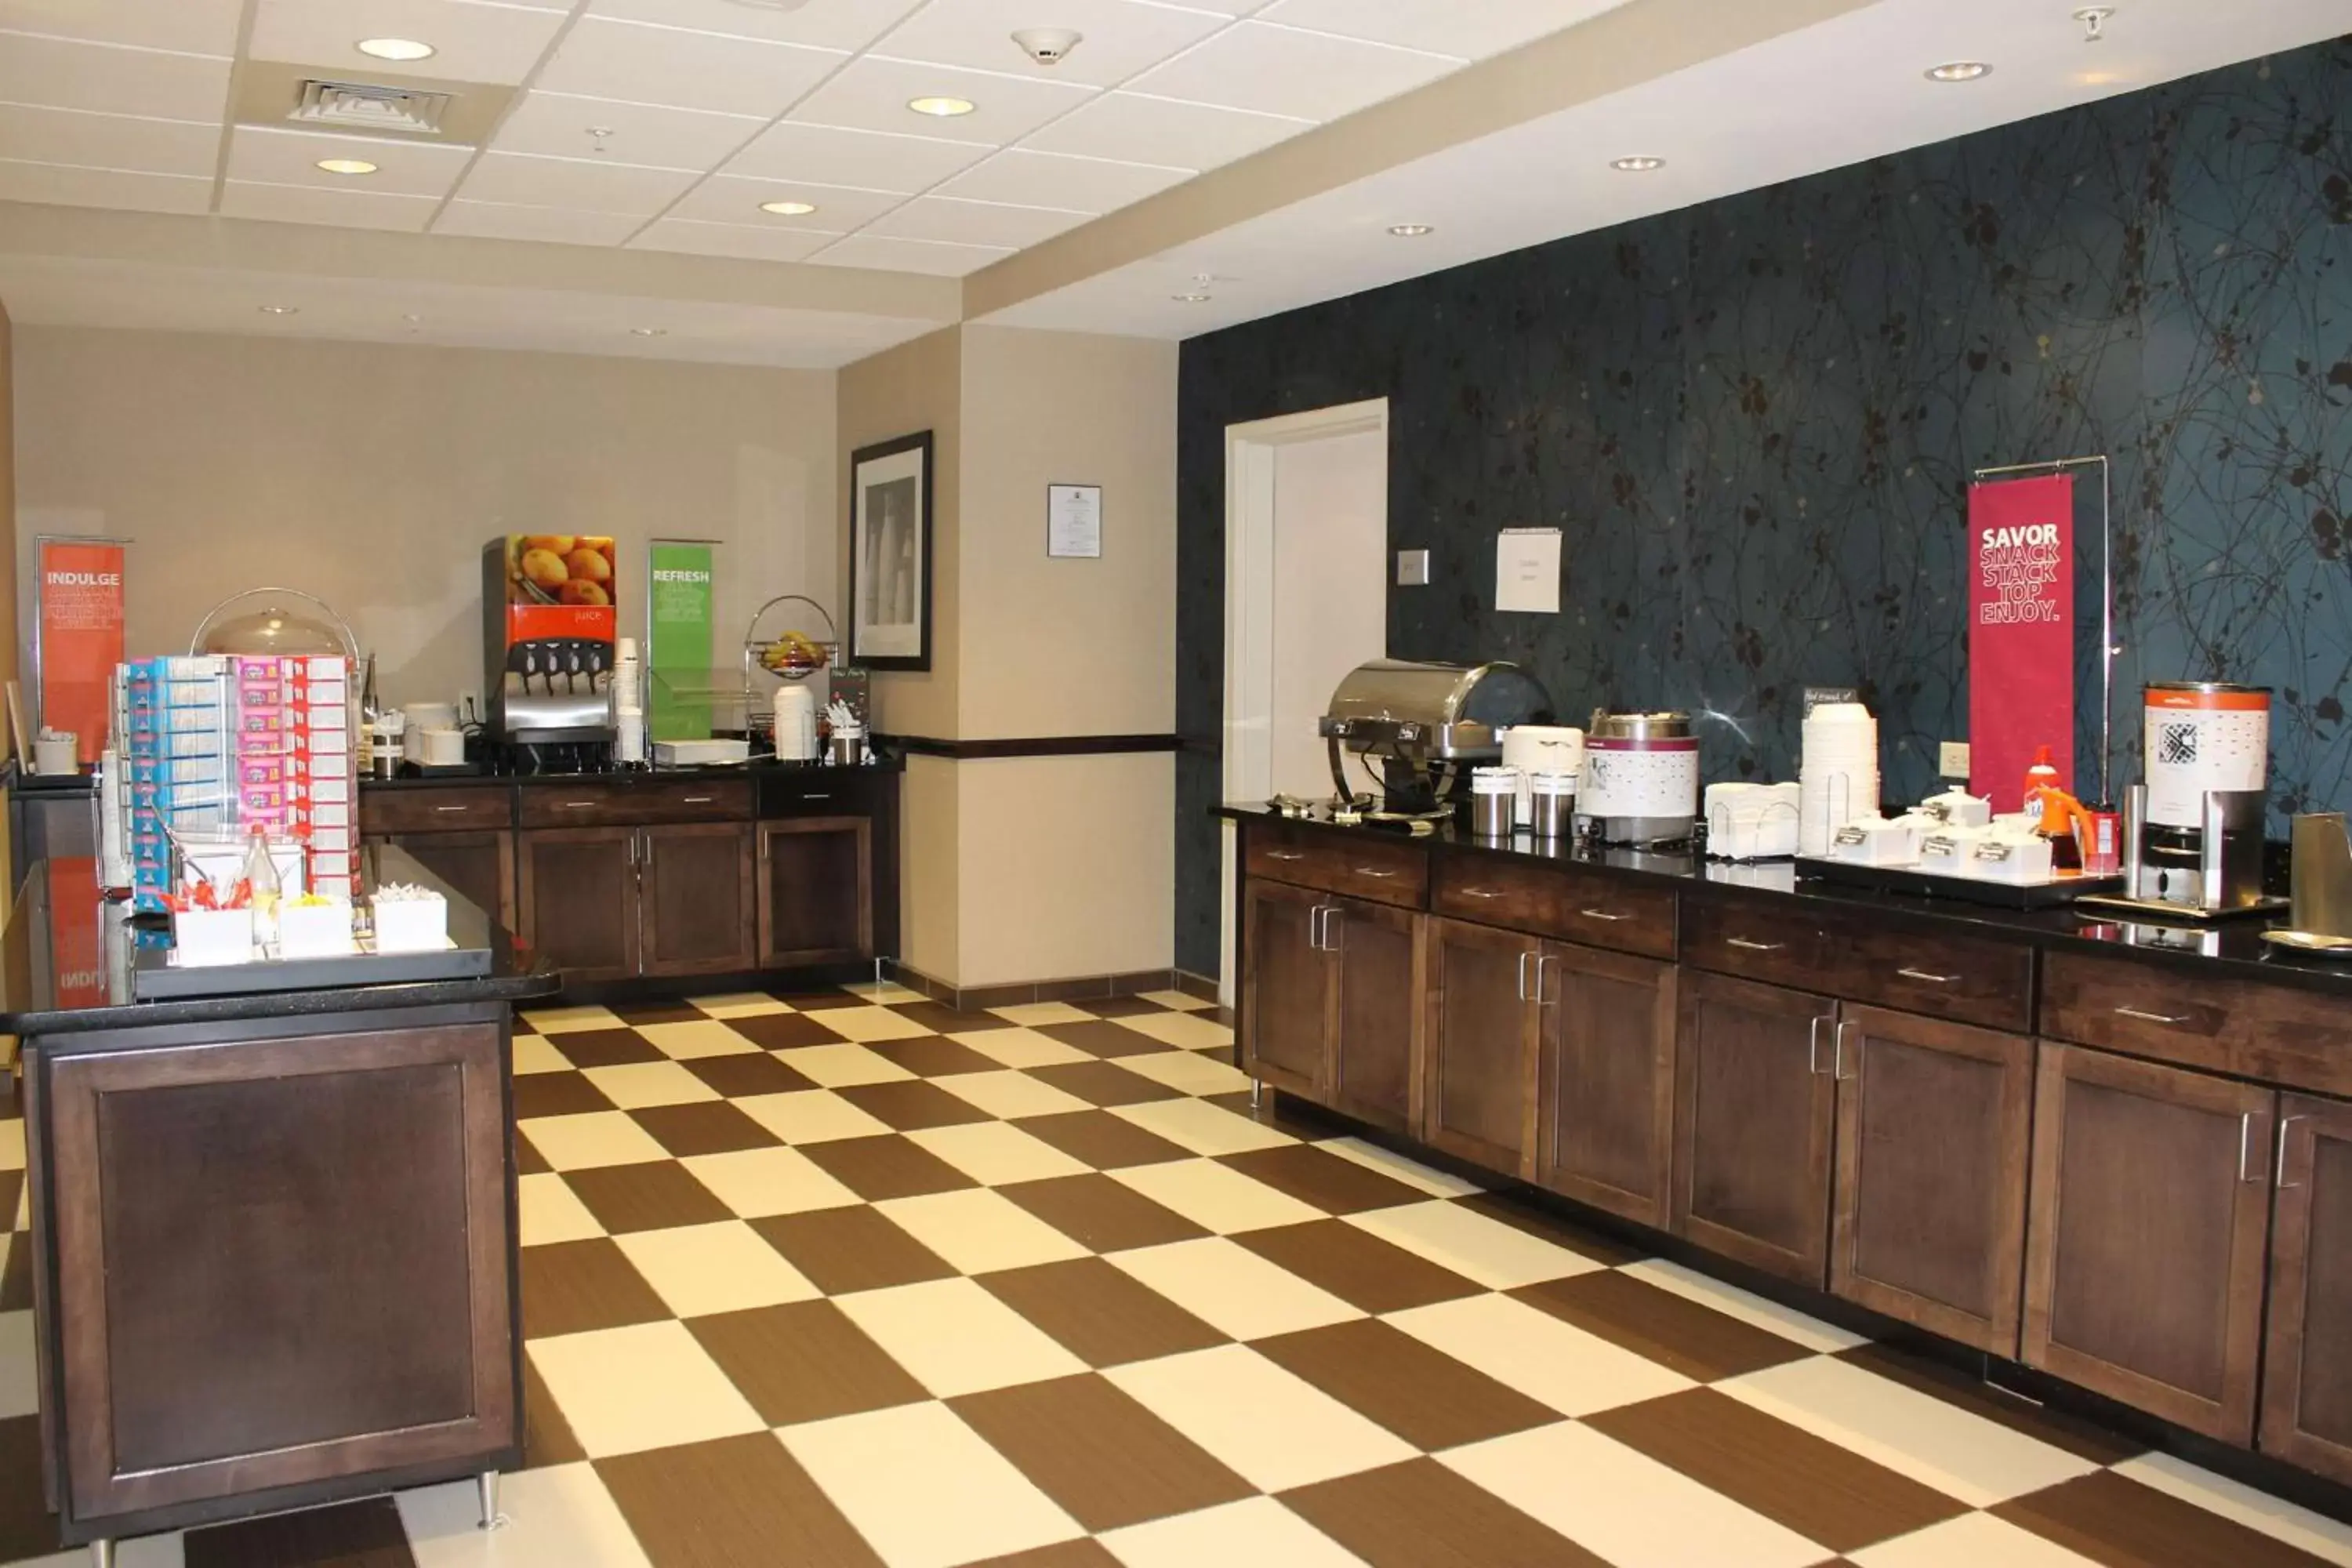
{"x": 2020, "y": 634}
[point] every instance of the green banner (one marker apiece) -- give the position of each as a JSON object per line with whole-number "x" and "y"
{"x": 678, "y": 614}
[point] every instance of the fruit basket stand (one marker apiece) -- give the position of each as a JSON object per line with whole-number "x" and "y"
{"x": 788, "y": 656}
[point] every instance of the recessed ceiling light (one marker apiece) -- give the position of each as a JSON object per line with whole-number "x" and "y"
{"x": 1411, "y": 230}
{"x": 1642, "y": 163}
{"x": 788, "y": 209}
{"x": 650, "y": 331}
{"x": 940, "y": 108}
{"x": 281, "y": 310}
{"x": 395, "y": 48}
{"x": 347, "y": 165}
{"x": 1189, "y": 298}
{"x": 1958, "y": 70}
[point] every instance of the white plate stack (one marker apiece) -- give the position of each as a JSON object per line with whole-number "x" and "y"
{"x": 1837, "y": 780}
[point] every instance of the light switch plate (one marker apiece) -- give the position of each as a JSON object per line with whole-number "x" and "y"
{"x": 1952, "y": 761}
{"x": 1412, "y": 568}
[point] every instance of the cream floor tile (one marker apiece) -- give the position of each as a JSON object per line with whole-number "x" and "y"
{"x": 1234, "y": 1290}
{"x": 560, "y": 1020}
{"x": 647, "y": 1386}
{"x": 1271, "y": 1427}
{"x": 955, "y": 1338}
{"x": 20, "y": 1383}
{"x": 591, "y": 1139}
{"x": 1625, "y": 1506}
{"x": 560, "y": 1517}
{"x": 1188, "y": 1070}
{"x": 810, "y": 1116}
{"x": 549, "y": 1212}
{"x": 699, "y": 1269}
{"x": 1558, "y": 1363}
{"x": 1936, "y": 1444}
{"x": 1031, "y": 1014}
{"x": 696, "y": 1038}
{"x": 756, "y": 1182}
{"x": 1388, "y": 1162}
{"x": 634, "y": 1085}
{"x": 1971, "y": 1541}
{"x": 842, "y": 1065}
{"x": 1019, "y": 1048}
{"x": 1190, "y": 1031}
{"x": 141, "y": 1551}
{"x": 1182, "y": 1001}
{"x": 537, "y": 1053}
{"x": 1729, "y": 1299}
{"x": 979, "y": 1230}
{"x": 740, "y": 1005}
{"x": 12, "y": 1144}
{"x": 1010, "y": 1094}
{"x": 1215, "y": 1196}
{"x": 884, "y": 993}
{"x": 1202, "y": 1128}
{"x": 924, "y": 1488}
{"x": 996, "y": 1153}
{"x": 1495, "y": 1255}
{"x": 2327, "y": 1539}
{"x": 867, "y": 1025}
{"x": 1256, "y": 1530}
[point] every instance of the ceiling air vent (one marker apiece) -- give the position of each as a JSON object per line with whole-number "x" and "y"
{"x": 365, "y": 106}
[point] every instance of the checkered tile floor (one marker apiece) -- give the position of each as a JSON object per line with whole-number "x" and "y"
{"x": 853, "y": 1280}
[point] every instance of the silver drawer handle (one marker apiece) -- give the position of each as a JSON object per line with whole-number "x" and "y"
{"x": 1922, "y": 974}
{"x": 1482, "y": 893}
{"x": 2245, "y": 1138}
{"x": 1602, "y": 915}
{"x": 697, "y": 799}
{"x": 1741, "y": 941}
{"x": 1271, "y": 854}
{"x": 453, "y": 808}
{"x": 2152, "y": 1017}
{"x": 2279, "y": 1175}
{"x": 813, "y": 795}
{"x": 1375, "y": 874}
{"x": 575, "y": 805}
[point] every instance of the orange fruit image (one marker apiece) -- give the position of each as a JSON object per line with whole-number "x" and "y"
{"x": 556, "y": 543}
{"x": 578, "y": 592}
{"x": 544, "y": 567}
{"x": 589, "y": 565}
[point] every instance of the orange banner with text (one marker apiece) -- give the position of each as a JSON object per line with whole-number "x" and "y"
{"x": 81, "y": 637}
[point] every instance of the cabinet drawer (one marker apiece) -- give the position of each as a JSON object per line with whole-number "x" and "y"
{"x": 820, "y": 791}
{"x": 1562, "y": 902}
{"x": 1970, "y": 980}
{"x": 1367, "y": 868}
{"x": 591, "y": 805}
{"x": 1772, "y": 941}
{"x": 453, "y": 810}
{"x": 2278, "y": 1034}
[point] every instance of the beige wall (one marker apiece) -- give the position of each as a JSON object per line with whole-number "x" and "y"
{"x": 913, "y": 387}
{"x": 7, "y": 502}
{"x": 372, "y": 475}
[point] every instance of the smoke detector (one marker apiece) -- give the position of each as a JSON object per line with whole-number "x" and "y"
{"x": 1048, "y": 46}
{"x": 364, "y": 106}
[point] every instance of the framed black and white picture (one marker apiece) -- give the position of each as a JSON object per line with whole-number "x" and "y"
{"x": 890, "y": 553}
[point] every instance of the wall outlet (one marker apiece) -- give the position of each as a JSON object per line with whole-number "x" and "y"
{"x": 1412, "y": 568}
{"x": 1952, "y": 761}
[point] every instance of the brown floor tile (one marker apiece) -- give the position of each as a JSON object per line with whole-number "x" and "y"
{"x": 889, "y": 1167}
{"x": 16, "y": 1279}
{"x": 1422, "y": 1395}
{"x": 934, "y": 1057}
{"x": 1822, "y": 1490}
{"x": 1107, "y": 1143}
{"x": 1972, "y": 1393}
{"x": 1104, "y": 1039}
{"x": 556, "y": 1094}
{"x": 604, "y": 1048}
{"x": 913, "y": 1104}
{"x": 742, "y": 1077}
{"x": 569, "y": 1287}
{"x": 529, "y": 1161}
{"x": 1283, "y": 1112}
{"x": 1523, "y": 1214}
{"x": 636, "y": 1013}
{"x": 848, "y": 1250}
{"x": 1420, "y": 1514}
{"x": 1102, "y": 1083}
{"x": 656, "y": 1194}
{"x": 1101, "y": 1215}
{"x": 804, "y": 1362}
{"x": 27, "y": 1528}
{"x": 1100, "y": 1315}
{"x": 1092, "y": 1448}
{"x": 731, "y": 1504}
{"x": 2115, "y": 1520}
{"x": 1697, "y": 1341}
{"x": 944, "y": 1019}
{"x": 1316, "y": 1176}
{"x": 12, "y": 1188}
{"x": 1086, "y": 1553}
{"x": 365, "y": 1534}
{"x": 1123, "y": 1007}
{"x": 783, "y": 1031}
{"x": 819, "y": 1001}
{"x": 1357, "y": 1267}
{"x": 547, "y": 1436}
{"x": 710, "y": 1127}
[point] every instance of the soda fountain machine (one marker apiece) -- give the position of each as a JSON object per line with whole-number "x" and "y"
{"x": 548, "y": 628}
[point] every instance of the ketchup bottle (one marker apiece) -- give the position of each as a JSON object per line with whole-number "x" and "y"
{"x": 2042, "y": 772}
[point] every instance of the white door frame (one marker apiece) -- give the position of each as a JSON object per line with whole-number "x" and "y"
{"x": 1248, "y": 754}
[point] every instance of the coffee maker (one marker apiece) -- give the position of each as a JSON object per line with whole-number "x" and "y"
{"x": 549, "y": 627}
{"x": 2192, "y": 832}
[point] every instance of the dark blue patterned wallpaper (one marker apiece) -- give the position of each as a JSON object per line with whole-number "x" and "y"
{"x": 1755, "y": 421}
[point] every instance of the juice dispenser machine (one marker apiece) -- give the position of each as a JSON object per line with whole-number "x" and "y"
{"x": 548, "y": 631}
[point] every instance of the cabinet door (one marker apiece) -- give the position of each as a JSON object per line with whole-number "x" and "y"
{"x": 1754, "y": 1110}
{"x": 2143, "y": 1270}
{"x": 481, "y": 866}
{"x": 1933, "y": 1135}
{"x": 1288, "y": 988}
{"x": 576, "y": 897}
{"x": 815, "y": 884}
{"x": 695, "y": 898}
{"x": 1378, "y": 952}
{"x": 1605, "y": 1091}
{"x": 2307, "y": 1376}
{"x": 1479, "y": 1061}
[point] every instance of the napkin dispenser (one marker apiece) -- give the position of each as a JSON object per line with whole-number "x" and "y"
{"x": 2322, "y": 874}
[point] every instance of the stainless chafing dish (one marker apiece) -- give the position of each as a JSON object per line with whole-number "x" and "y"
{"x": 1423, "y": 725}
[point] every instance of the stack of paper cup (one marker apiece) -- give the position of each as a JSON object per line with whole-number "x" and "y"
{"x": 1837, "y": 780}
{"x": 628, "y": 703}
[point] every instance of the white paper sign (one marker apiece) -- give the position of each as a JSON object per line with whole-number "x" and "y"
{"x": 1526, "y": 570}
{"x": 1074, "y": 520}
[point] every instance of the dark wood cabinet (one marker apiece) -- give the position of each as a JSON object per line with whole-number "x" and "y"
{"x": 576, "y": 899}
{"x": 1480, "y": 1040}
{"x": 1754, "y": 1110}
{"x": 814, "y": 883}
{"x": 1606, "y": 1086}
{"x": 1934, "y": 1130}
{"x": 2306, "y": 1412}
{"x": 1288, "y": 988}
{"x": 2145, "y": 1255}
{"x": 479, "y": 865}
{"x": 1376, "y": 1009}
{"x": 695, "y": 898}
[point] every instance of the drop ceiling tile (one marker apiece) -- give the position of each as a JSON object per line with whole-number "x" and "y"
{"x": 639, "y": 63}
{"x": 1142, "y": 129}
{"x": 1057, "y": 180}
{"x": 58, "y": 73}
{"x": 732, "y": 239}
{"x": 723, "y": 198}
{"x": 584, "y": 184}
{"x": 308, "y": 203}
{"x": 557, "y": 125}
{"x": 893, "y": 255}
{"x": 108, "y": 140}
{"x": 472, "y": 42}
{"x": 871, "y": 159}
{"x": 1121, "y": 36}
{"x": 508, "y": 220}
{"x": 944, "y": 219}
{"x": 871, "y": 94}
{"x": 193, "y": 26}
{"x": 1280, "y": 70}
{"x": 1475, "y": 29}
{"x": 57, "y": 183}
{"x": 826, "y": 24}
{"x": 272, "y": 157}
{"x": 1230, "y": 8}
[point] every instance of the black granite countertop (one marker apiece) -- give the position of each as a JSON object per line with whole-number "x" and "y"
{"x": 638, "y": 777}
